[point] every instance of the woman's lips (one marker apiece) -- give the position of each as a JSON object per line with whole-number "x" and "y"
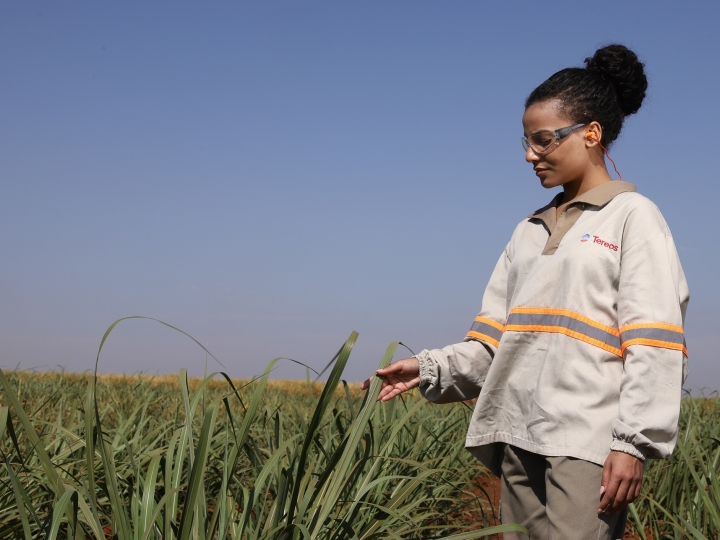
{"x": 540, "y": 172}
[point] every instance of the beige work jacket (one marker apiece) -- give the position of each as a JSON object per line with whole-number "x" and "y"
{"x": 579, "y": 347}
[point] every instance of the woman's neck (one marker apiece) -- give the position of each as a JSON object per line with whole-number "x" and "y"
{"x": 573, "y": 189}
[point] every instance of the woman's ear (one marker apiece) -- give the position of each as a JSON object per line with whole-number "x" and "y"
{"x": 593, "y": 134}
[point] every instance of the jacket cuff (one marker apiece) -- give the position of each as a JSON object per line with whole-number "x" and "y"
{"x": 427, "y": 368}
{"x": 628, "y": 448}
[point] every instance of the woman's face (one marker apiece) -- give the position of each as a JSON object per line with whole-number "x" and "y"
{"x": 569, "y": 160}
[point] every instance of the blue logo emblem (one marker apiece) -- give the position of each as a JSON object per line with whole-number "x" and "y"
{"x": 585, "y": 238}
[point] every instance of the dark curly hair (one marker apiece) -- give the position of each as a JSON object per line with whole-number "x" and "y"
{"x": 610, "y": 87}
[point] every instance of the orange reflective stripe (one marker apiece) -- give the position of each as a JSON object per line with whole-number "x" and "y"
{"x": 655, "y": 334}
{"x": 567, "y": 313}
{"x": 492, "y": 323}
{"x": 565, "y": 331}
{"x": 655, "y": 343}
{"x": 482, "y": 337}
{"x": 564, "y": 321}
{"x": 486, "y": 330}
{"x": 662, "y": 326}
{"x": 580, "y": 327}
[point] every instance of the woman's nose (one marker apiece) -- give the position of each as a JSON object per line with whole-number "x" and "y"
{"x": 531, "y": 156}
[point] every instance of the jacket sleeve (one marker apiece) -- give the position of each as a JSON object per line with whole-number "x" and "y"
{"x": 652, "y": 299}
{"x": 457, "y": 372}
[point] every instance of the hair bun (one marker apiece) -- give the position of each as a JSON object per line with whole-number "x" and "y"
{"x": 621, "y": 67}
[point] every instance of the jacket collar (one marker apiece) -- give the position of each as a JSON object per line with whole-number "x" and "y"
{"x": 604, "y": 193}
{"x": 597, "y": 196}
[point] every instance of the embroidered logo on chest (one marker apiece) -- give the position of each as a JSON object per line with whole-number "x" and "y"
{"x": 598, "y": 240}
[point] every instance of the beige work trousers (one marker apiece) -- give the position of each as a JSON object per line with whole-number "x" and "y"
{"x": 554, "y": 498}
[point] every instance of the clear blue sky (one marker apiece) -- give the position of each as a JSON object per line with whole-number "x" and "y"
{"x": 269, "y": 176}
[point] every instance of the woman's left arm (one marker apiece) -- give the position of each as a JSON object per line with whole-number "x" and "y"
{"x": 652, "y": 298}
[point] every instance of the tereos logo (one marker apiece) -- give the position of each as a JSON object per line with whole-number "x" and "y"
{"x": 604, "y": 243}
{"x": 598, "y": 240}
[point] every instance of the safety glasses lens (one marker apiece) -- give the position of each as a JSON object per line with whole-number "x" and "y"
{"x": 540, "y": 142}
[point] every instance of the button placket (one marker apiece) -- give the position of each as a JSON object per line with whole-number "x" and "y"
{"x": 565, "y": 221}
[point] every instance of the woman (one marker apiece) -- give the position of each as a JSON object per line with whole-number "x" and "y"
{"x": 577, "y": 357}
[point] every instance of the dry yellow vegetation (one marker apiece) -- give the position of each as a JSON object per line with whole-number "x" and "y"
{"x": 293, "y": 387}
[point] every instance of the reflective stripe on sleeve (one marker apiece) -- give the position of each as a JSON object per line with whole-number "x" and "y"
{"x": 662, "y": 335}
{"x": 569, "y": 323}
{"x": 487, "y": 330}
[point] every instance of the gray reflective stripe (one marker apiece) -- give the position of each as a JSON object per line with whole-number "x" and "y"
{"x": 657, "y": 334}
{"x": 535, "y": 319}
{"x": 486, "y": 329}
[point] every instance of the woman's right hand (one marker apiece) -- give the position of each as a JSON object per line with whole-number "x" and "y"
{"x": 398, "y": 377}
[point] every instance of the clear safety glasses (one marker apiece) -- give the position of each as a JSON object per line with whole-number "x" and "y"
{"x": 545, "y": 142}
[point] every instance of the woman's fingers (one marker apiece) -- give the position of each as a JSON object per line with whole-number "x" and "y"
{"x": 622, "y": 481}
{"x": 398, "y": 377}
{"x": 388, "y": 392}
{"x": 604, "y": 482}
{"x": 609, "y": 496}
{"x": 620, "y": 501}
{"x": 381, "y": 372}
{"x": 638, "y": 489}
{"x": 393, "y": 369}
